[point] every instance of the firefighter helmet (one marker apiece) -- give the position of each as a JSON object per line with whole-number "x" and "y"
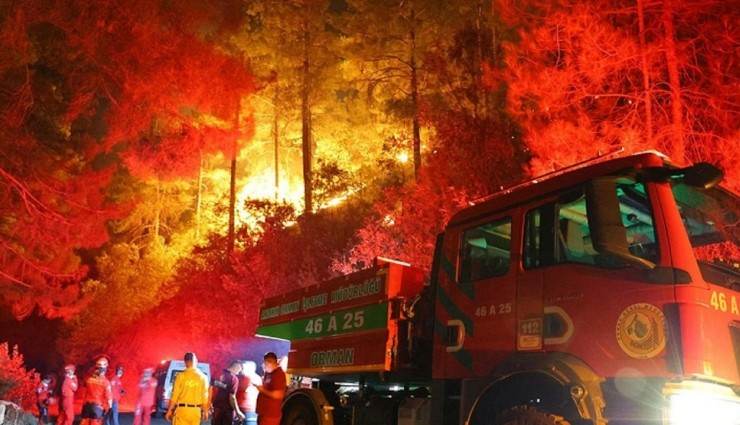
{"x": 69, "y": 368}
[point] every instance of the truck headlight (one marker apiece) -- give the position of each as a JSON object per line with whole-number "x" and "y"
{"x": 702, "y": 403}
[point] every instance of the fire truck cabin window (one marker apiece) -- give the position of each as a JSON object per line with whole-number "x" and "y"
{"x": 558, "y": 232}
{"x": 486, "y": 251}
{"x": 711, "y": 219}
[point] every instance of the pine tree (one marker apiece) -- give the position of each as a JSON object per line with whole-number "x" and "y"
{"x": 296, "y": 75}
{"x": 388, "y": 41}
{"x": 587, "y": 78}
{"x": 53, "y": 188}
{"x": 89, "y": 89}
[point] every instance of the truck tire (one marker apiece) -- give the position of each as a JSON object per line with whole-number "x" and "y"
{"x": 305, "y": 407}
{"x": 300, "y": 414}
{"x": 528, "y": 415}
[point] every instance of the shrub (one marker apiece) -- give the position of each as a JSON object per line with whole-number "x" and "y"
{"x": 16, "y": 383}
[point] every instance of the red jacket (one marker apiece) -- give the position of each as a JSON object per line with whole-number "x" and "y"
{"x": 246, "y": 395}
{"x": 98, "y": 391}
{"x": 268, "y": 407}
{"x": 147, "y": 392}
{"x": 116, "y": 387}
{"x": 69, "y": 386}
{"x": 42, "y": 392}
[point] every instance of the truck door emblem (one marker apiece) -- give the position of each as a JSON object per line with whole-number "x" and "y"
{"x": 641, "y": 331}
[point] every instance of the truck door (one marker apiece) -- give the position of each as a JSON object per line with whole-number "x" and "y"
{"x": 552, "y": 236}
{"x": 595, "y": 306}
{"x": 475, "y": 298}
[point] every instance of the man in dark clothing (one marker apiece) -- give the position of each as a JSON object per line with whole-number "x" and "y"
{"x": 223, "y": 396}
{"x": 270, "y": 398}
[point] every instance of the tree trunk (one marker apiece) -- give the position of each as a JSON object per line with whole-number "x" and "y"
{"x": 494, "y": 35}
{"x": 232, "y": 184}
{"x": 645, "y": 75}
{"x": 232, "y": 201}
{"x": 199, "y": 199}
{"x": 676, "y": 142}
{"x": 276, "y": 141}
{"x": 306, "y": 123}
{"x": 158, "y": 212}
{"x": 415, "y": 94}
{"x": 478, "y": 59}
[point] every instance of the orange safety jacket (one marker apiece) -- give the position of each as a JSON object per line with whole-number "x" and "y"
{"x": 98, "y": 391}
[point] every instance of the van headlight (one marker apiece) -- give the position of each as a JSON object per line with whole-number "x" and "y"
{"x": 692, "y": 403}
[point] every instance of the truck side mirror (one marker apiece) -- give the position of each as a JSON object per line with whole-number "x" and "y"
{"x": 608, "y": 234}
{"x": 702, "y": 175}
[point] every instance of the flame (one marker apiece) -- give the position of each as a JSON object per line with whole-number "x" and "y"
{"x": 262, "y": 186}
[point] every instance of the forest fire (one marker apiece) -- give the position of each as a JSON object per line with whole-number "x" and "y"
{"x": 163, "y": 159}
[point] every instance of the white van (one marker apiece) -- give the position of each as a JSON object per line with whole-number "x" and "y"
{"x": 165, "y": 374}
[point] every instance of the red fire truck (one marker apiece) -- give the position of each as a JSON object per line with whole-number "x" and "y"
{"x": 601, "y": 293}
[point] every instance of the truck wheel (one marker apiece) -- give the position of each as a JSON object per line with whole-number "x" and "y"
{"x": 528, "y": 415}
{"x": 300, "y": 414}
{"x": 306, "y": 407}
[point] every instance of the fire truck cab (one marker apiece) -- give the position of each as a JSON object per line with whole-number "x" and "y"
{"x": 602, "y": 293}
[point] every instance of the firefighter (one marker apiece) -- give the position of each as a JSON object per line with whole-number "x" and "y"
{"x": 69, "y": 387}
{"x": 189, "y": 402}
{"x": 98, "y": 399}
{"x": 147, "y": 395}
{"x": 116, "y": 387}
{"x": 43, "y": 399}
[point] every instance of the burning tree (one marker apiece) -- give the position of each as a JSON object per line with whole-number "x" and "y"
{"x": 87, "y": 92}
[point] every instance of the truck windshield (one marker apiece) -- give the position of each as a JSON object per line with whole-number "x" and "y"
{"x": 711, "y": 219}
